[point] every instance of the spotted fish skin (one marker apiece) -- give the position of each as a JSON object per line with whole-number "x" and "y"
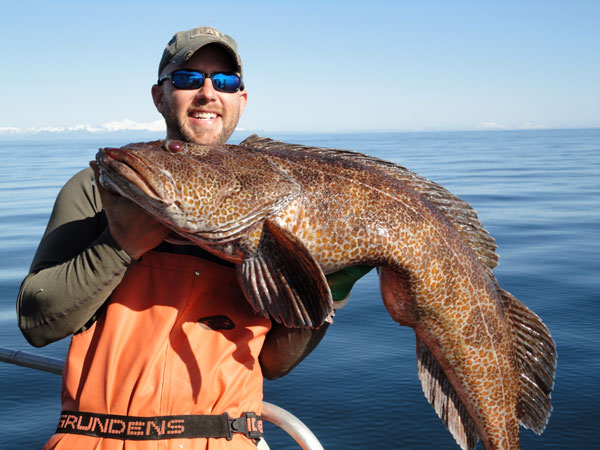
{"x": 287, "y": 215}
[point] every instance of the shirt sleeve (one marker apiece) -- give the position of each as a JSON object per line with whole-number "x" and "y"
{"x": 76, "y": 266}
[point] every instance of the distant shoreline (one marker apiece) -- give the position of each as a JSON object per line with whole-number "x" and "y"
{"x": 145, "y": 135}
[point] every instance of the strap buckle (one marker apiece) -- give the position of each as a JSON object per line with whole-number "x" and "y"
{"x": 248, "y": 424}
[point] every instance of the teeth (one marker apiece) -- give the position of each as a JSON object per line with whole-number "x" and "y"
{"x": 205, "y": 115}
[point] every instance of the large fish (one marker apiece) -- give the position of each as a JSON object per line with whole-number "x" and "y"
{"x": 287, "y": 215}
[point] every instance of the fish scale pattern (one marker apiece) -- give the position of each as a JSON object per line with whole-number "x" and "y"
{"x": 289, "y": 214}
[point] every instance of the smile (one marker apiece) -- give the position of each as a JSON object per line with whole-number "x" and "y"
{"x": 204, "y": 115}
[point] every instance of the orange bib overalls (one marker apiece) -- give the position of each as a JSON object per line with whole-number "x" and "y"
{"x": 177, "y": 338}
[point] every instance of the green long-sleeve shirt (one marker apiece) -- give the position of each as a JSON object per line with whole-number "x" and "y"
{"x": 77, "y": 265}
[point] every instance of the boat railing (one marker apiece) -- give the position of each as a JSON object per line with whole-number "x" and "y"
{"x": 271, "y": 413}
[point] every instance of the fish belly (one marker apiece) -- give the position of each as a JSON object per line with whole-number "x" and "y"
{"x": 464, "y": 351}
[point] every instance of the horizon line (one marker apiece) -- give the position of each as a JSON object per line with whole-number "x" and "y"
{"x": 128, "y": 125}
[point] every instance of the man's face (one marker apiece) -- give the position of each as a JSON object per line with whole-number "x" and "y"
{"x": 202, "y": 116}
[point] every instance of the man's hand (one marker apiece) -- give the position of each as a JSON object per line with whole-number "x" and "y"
{"x": 134, "y": 230}
{"x": 284, "y": 348}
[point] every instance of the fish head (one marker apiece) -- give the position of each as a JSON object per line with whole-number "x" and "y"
{"x": 209, "y": 192}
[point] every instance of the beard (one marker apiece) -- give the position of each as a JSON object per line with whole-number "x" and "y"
{"x": 176, "y": 129}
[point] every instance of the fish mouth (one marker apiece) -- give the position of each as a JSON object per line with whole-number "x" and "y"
{"x": 124, "y": 167}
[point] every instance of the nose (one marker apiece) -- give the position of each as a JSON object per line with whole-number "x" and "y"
{"x": 207, "y": 92}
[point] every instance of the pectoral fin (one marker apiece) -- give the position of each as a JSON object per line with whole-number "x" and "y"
{"x": 283, "y": 281}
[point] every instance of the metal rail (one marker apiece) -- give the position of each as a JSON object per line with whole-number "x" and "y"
{"x": 271, "y": 413}
{"x": 31, "y": 360}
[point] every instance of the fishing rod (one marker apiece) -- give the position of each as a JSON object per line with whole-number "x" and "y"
{"x": 271, "y": 413}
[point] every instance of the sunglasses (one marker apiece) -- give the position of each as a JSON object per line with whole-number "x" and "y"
{"x": 192, "y": 79}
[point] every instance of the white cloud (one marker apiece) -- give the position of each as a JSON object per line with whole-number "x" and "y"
{"x": 532, "y": 126}
{"x": 127, "y": 124}
{"x": 108, "y": 127}
{"x": 499, "y": 126}
{"x": 46, "y": 130}
{"x": 492, "y": 126}
{"x": 9, "y": 130}
{"x": 85, "y": 127}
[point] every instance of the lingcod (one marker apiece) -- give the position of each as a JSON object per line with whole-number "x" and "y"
{"x": 287, "y": 215}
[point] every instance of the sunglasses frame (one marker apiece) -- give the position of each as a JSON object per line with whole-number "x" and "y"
{"x": 205, "y": 75}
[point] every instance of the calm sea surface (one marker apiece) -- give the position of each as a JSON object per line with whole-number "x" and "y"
{"x": 536, "y": 192}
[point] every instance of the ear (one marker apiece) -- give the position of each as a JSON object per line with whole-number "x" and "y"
{"x": 243, "y": 100}
{"x": 157, "y": 97}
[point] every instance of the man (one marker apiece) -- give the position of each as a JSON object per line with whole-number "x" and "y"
{"x": 164, "y": 346}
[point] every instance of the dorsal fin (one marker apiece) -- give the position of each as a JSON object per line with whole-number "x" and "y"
{"x": 444, "y": 399}
{"x": 458, "y": 212}
{"x": 536, "y": 355}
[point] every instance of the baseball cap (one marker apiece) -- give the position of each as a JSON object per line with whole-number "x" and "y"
{"x": 184, "y": 44}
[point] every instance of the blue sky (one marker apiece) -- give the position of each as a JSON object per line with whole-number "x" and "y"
{"x": 312, "y": 65}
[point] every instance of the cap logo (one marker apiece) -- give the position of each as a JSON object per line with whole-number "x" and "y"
{"x": 205, "y": 30}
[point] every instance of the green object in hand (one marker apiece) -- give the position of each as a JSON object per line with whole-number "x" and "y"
{"x": 341, "y": 282}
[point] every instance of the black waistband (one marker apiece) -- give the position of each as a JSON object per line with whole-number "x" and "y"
{"x": 159, "y": 427}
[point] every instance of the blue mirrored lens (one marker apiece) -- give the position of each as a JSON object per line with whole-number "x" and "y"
{"x": 183, "y": 79}
{"x": 190, "y": 79}
{"x": 225, "y": 82}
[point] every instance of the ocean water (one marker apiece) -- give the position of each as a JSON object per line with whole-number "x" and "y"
{"x": 536, "y": 192}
